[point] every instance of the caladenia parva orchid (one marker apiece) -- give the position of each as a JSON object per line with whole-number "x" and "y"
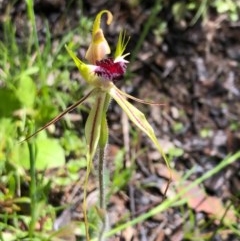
{"x": 100, "y": 73}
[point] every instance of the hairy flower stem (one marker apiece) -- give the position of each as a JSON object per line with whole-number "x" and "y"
{"x": 101, "y": 167}
{"x": 85, "y": 198}
{"x": 33, "y": 191}
{"x": 102, "y": 199}
{"x": 103, "y": 140}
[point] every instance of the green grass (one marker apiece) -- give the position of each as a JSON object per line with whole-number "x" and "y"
{"x": 32, "y": 77}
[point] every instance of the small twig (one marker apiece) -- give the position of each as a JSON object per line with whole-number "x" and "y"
{"x": 132, "y": 201}
{"x": 221, "y": 221}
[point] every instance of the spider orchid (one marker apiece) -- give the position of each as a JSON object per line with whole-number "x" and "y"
{"x": 100, "y": 73}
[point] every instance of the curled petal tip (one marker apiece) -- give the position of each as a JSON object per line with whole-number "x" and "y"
{"x": 97, "y": 22}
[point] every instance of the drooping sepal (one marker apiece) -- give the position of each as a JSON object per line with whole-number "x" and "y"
{"x": 93, "y": 124}
{"x": 139, "y": 119}
{"x": 103, "y": 140}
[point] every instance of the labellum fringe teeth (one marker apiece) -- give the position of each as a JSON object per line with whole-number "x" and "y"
{"x": 110, "y": 70}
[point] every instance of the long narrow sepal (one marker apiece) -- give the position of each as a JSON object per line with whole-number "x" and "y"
{"x": 138, "y": 118}
{"x": 58, "y": 117}
{"x": 93, "y": 124}
{"x": 103, "y": 140}
{"x": 92, "y": 134}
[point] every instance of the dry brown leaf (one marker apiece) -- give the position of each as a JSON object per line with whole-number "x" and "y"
{"x": 199, "y": 200}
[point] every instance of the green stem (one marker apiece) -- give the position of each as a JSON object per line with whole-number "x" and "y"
{"x": 101, "y": 167}
{"x": 89, "y": 159}
{"x": 102, "y": 199}
{"x": 201, "y": 11}
{"x": 33, "y": 188}
{"x": 33, "y": 38}
{"x": 103, "y": 140}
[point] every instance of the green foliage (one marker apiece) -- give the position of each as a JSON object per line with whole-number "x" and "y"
{"x": 31, "y": 88}
{"x": 180, "y": 9}
{"x": 230, "y": 7}
{"x": 50, "y": 154}
{"x": 175, "y": 152}
{"x": 206, "y": 132}
{"x": 121, "y": 176}
{"x": 26, "y": 90}
{"x": 177, "y": 127}
{"x": 234, "y": 126}
{"x": 8, "y": 96}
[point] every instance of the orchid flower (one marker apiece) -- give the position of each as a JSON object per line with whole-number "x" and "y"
{"x": 101, "y": 72}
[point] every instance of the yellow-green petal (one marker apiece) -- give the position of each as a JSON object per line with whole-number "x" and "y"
{"x": 121, "y": 45}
